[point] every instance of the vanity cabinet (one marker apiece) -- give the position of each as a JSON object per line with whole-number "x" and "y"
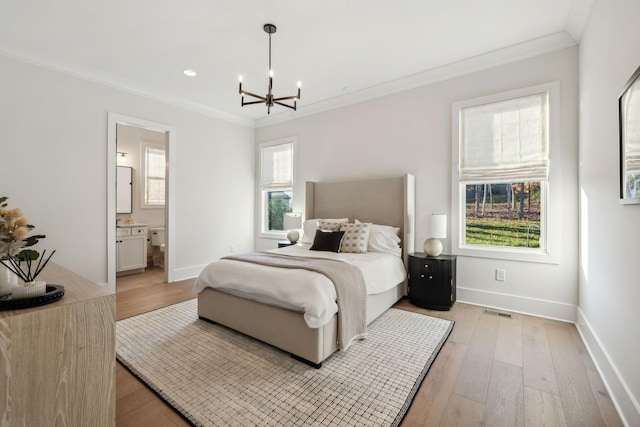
{"x": 131, "y": 248}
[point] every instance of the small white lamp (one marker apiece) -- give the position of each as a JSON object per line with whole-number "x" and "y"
{"x": 293, "y": 222}
{"x": 436, "y": 228}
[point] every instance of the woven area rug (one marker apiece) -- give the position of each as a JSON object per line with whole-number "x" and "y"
{"x": 217, "y": 377}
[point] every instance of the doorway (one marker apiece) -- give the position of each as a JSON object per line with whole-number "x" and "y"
{"x": 132, "y": 126}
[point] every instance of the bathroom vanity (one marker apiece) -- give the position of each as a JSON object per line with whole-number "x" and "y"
{"x": 131, "y": 248}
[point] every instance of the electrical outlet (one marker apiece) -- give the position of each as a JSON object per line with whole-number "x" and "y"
{"x": 232, "y": 248}
{"x": 501, "y": 275}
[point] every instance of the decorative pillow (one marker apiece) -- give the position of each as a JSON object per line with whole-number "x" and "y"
{"x": 356, "y": 238}
{"x": 327, "y": 241}
{"x": 332, "y": 224}
{"x": 311, "y": 225}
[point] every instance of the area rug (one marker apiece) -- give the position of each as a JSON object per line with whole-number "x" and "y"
{"x": 217, "y": 377}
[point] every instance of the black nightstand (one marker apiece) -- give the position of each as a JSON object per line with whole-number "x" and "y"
{"x": 432, "y": 280}
{"x": 285, "y": 243}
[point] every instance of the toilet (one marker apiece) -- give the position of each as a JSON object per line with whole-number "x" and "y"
{"x": 158, "y": 244}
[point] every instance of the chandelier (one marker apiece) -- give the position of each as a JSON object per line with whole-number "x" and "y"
{"x": 269, "y": 99}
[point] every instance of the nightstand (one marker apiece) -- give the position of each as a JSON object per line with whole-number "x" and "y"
{"x": 285, "y": 243}
{"x": 432, "y": 281}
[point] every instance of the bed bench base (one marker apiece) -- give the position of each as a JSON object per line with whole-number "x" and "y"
{"x": 282, "y": 328}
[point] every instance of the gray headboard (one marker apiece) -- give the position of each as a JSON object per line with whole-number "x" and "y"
{"x": 387, "y": 201}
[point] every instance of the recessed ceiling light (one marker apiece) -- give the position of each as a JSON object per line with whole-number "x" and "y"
{"x": 189, "y": 73}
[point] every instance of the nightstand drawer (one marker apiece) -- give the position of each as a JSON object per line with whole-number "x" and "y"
{"x": 428, "y": 278}
{"x": 419, "y": 266}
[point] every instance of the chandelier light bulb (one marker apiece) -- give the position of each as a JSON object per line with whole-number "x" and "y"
{"x": 240, "y": 79}
{"x": 299, "y": 85}
{"x": 270, "y": 73}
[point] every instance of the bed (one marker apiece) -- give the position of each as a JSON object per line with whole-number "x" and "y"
{"x": 388, "y": 201}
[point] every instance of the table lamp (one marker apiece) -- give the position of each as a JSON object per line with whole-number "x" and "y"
{"x": 435, "y": 228}
{"x": 293, "y": 222}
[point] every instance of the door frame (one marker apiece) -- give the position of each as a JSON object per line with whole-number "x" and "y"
{"x": 113, "y": 119}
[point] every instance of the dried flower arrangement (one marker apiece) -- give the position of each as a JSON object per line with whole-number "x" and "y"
{"x": 14, "y": 239}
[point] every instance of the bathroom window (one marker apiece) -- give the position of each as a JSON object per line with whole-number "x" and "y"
{"x": 153, "y": 175}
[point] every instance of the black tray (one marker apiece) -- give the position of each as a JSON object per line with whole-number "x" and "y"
{"x": 52, "y": 293}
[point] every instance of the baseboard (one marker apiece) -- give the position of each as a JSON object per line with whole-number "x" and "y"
{"x": 187, "y": 273}
{"x": 518, "y": 304}
{"x": 628, "y": 408}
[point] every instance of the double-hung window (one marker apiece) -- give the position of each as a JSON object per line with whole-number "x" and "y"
{"x": 276, "y": 185}
{"x": 501, "y": 182}
{"x": 153, "y": 175}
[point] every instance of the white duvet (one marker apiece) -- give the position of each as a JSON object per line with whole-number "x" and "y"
{"x": 308, "y": 292}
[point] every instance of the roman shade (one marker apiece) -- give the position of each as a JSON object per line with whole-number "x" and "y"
{"x": 505, "y": 141}
{"x": 277, "y": 165}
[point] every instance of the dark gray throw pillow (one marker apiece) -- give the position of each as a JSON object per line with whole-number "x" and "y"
{"x": 327, "y": 241}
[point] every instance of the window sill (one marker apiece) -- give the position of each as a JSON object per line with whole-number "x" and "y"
{"x": 524, "y": 255}
{"x": 275, "y": 235}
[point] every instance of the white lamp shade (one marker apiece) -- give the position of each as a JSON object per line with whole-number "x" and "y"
{"x": 292, "y": 220}
{"x": 435, "y": 225}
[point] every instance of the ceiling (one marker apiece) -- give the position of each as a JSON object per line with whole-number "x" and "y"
{"x": 341, "y": 51}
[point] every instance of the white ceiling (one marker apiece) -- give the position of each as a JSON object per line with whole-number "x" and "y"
{"x": 342, "y": 50}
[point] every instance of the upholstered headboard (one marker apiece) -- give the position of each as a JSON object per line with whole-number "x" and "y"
{"x": 387, "y": 201}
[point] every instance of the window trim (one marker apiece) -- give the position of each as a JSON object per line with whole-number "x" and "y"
{"x": 143, "y": 175}
{"x": 262, "y": 189}
{"x": 549, "y": 216}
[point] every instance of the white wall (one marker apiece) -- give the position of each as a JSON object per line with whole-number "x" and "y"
{"x": 410, "y": 132}
{"x": 608, "y": 316}
{"x": 53, "y": 166}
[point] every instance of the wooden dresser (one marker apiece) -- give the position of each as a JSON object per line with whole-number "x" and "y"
{"x": 57, "y": 361}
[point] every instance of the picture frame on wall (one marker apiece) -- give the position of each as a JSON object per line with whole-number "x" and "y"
{"x": 629, "y": 122}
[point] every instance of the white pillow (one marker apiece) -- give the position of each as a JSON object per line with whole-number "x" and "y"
{"x": 310, "y": 226}
{"x": 355, "y": 239}
{"x": 384, "y": 238}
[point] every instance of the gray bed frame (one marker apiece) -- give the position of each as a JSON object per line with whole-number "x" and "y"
{"x": 389, "y": 201}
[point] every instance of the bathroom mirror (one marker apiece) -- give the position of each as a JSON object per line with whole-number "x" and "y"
{"x": 124, "y": 186}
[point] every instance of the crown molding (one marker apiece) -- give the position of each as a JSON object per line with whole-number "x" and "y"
{"x": 474, "y": 64}
{"x": 114, "y": 82}
{"x": 578, "y": 17}
{"x": 485, "y": 61}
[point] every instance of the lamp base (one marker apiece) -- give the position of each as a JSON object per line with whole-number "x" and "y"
{"x": 432, "y": 247}
{"x": 293, "y": 236}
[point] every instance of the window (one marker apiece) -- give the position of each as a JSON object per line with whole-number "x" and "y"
{"x": 153, "y": 175}
{"x": 501, "y": 147}
{"x": 276, "y": 185}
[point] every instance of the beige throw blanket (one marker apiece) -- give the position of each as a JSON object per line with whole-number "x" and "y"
{"x": 351, "y": 294}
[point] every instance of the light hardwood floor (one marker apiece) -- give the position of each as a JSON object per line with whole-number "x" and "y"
{"x": 493, "y": 371}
